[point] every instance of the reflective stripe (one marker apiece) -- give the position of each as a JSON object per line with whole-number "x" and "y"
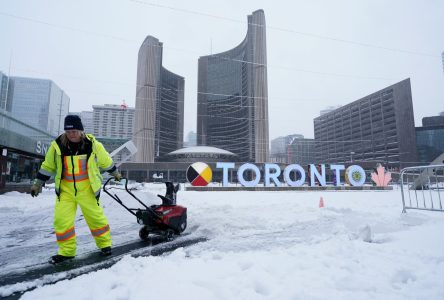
{"x": 107, "y": 169}
{"x": 78, "y": 178}
{"x": 46, "y": 173}
{"x": 100, "y": 231}
{"x": 70, "y": 233}
{"x": 82, "y": 169}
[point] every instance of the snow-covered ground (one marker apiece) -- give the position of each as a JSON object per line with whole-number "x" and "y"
{"x": 262, "y": 245}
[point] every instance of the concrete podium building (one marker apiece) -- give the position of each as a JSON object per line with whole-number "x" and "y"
{"x": 378, "y": 128}
{"x": 158, "y": 127}
{"x": 232, "y": 100}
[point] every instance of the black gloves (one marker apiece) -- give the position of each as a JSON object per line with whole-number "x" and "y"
{"x": 117, "y": 176}
{"x": 36, "y": 188}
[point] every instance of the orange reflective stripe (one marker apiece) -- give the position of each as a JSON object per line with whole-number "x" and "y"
{"x": 82, "y": 170}
{"x": 100, "y": 231}
{"x": 70, "y": 233}
{"x": 66, "y": 166}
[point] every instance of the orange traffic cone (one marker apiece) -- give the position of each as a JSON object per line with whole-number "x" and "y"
{"x": 321, "y": 203}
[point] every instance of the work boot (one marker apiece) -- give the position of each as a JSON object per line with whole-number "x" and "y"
{"x": 105, "y": 251}
{"x": 59, "y": 258}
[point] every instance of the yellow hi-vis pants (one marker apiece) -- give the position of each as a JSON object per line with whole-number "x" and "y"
{"x": 65, "y": 212}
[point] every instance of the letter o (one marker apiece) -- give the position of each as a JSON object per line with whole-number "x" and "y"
{"x": 296, "y": 168}
{"x": 240, "y": 175}
{"x": 355, "y": 175}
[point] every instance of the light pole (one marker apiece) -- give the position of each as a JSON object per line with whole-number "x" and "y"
{"x": 351, "y": 156}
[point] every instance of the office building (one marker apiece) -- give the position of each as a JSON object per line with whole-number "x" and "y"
{"x": 112, "y": 121}
{"x": 22, "y": 149}
{"x": 329, "y": 109}
{"x": 87, "y": 120}
{"x": 430, "y": 138}
{"x": 232, "y": 100}
{"x": 433, "y": 121}
{"x": 38, "y": 102}
{"x": 302, "y": 151}
{"x": 191, "y": 139}
{"x": 279, "y": 148}
{"x": 377, "y": 128}
{"x": 159, "y": 105}
{"x": 4, "y": 81}
{"x": 442, "y": 56}
{"x": 293, "y": 149}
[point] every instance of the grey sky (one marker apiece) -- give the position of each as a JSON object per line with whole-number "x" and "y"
{"x": 320, "y": 53}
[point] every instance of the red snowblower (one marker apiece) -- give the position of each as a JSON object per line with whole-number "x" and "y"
{"x": 166, "y": 219}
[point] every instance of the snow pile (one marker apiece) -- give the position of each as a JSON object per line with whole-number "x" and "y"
{"x": 262, "y": 245}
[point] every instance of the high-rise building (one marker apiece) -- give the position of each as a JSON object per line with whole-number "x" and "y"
{"x": 328, "y": 109}
{"x": 442, "y": 55}
{"x": 377, "y": 128}
{"x": 232, "y": 100}
{"x": 4, "y": 80}
{"x": 191, "y": 139}
{"x": 111, "y": 121}
{"x": 433, "y": 121}
{"x": 292, "y": 149}
{"x": 279, "y": 147}
{"x": 159, "y": 105}
{"x": 38, "y": 102}
{"x": 87, "y": 120}
{"x": 302, "y": 151}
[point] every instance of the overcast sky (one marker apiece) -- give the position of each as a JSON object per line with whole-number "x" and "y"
{"x": 320, "y": 53}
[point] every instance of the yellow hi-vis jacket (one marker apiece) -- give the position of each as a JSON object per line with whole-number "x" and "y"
{"x": 98, "y": 162}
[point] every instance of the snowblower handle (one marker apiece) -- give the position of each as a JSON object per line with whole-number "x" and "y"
{"x": 115, "y": 197}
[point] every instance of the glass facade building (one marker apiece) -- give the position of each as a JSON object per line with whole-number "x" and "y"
{"x": 302, "y": 152}
{"x": 430, "y": 142}
{"x": 22, "y": 149}
{"x": 430, "y": 138}
{"x": 279, "y": 147}
{"x": 293, "y": 149}
{"x": 159, "y": 114}
{"x": 377, "y": 128}
{"x": 38, "y": 102}
{"x": 232, "y": 100}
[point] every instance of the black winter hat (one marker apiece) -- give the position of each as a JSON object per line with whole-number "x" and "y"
{"x": 73, "y": 122}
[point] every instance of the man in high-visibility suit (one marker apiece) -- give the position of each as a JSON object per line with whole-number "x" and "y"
{"x": 76, "y": 160}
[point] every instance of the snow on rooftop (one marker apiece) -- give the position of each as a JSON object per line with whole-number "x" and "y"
{"x": 201, "y": 149}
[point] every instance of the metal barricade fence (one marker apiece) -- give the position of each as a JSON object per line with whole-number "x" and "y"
{"x": 421, "y": 187}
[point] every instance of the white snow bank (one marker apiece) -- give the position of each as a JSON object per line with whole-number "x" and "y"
{"x": 275, "y": 245}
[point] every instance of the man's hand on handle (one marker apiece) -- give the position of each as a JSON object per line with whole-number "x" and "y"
{"x": 117, "y": 176}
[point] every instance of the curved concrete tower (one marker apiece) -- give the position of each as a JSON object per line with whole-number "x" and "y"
{"x": 159, "y": 108}
{"x": 232, "y": 100}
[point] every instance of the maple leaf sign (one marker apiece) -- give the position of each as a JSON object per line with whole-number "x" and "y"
{"x": 381, "y": 178}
